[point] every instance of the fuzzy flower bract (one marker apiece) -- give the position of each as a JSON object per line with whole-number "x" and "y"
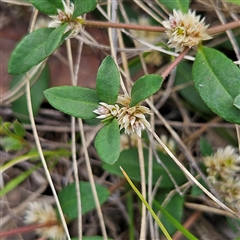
{"x": 43, "y": 213}
{"x": 64, "y": 16}
{"x": 223, "y": 168}
{"x": 185, "y": 30}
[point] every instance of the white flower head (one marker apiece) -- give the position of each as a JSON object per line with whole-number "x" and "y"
{"x": 222, "y": 164}
{"x": 105, "y": 110}
{"x": 133, "y": 119}
{"x": 74, "y": 24}
{"x": 185, "y": 30}
{"x": 43, "y": 213}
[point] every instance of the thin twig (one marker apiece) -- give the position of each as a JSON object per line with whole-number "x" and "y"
{"x": 73, "y": 146}
{"x": 143, "y": 187}
{"x": 38, "y": 144}
{"x": 91, "y": 180}
{"x": 188, "y": 174}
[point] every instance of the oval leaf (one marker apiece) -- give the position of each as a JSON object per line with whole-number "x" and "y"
{"x": 75, "y": 101}
{"x": 107, "y": 142}
{"x": 217, "y": 81}
{"x": 182, "y": 5}
{"x": 189, "y": 93}
{"x": 236, "y": 102}
{"x": 108, "y": 81}
{"x": 144, "y": 87}
{"x": 29, "y": 52}
{"x": 83, "y": 6}
{"x": 55, "y": 39}
{"x": 68, "y": 198}
{"x": 49, "y": 7}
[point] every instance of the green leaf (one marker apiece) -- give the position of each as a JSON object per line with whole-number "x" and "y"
{"x": 83, "y": 6}
{"x": 236, "y": 102}
{"x": 108, "y": 81}
{"x": 182, "y": 5}
{"x": 206, "y": 148}
{"x": 68, "y": 198}
{"x": 11, "y": 144}
{"x": 216, "y": 79}
{"x": 19, "y": 129}
{"x": 144, "y": 87}
{"x": 55, "y": 39}
{"x": 189, "y": 93}
{"x": 129, "y": 161}
{"x": 29, "y": 52}
{"x": 172, "y": 215}
{"x": 76, "y": 101}
{"x": 19, "y": 106}
{"x": 107, "y": 142}
{"x": 49, "y": 7}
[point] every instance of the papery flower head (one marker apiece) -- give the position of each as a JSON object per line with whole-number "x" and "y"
{"x": 222, "y": 164}
{"x": 65, "y": 16}
{"x": 124, "y": 100}
{"x": 132, "y": 119}
{"x": 105, "y": 110}
{"x": 43, "y": 213}
{"x": 185, "y": 30}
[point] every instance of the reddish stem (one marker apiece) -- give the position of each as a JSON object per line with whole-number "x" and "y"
{"x": 175, "y": 62}
{"x": 28, "y": 228}
{"x": 190, "y": 221}
{"x": 223, "y": 28}
{"x": 99, "y": 24}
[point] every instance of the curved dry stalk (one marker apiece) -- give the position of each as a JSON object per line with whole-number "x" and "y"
{"x": 189, "y": 175}
{"x": 143, "y": 188}
{"x": 73, "y": 145}
{"x": 207, "y": 209}
{"x": 148, "y": 11}
{"x": 229, "y": 33}
{"x": 91, "y": 180}
{"x": 38, "y": 144}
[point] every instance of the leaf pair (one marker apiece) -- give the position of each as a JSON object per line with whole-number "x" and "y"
{"x": 50, "y": 7}
{"x": 38, "y": 45}
{"x": 81, "y": 102}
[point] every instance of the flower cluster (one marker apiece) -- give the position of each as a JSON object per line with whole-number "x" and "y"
{"x": 132, "y": 119}
{"x": 185, "y": 30}
{"x": 223, "y": 168}
{"x": 74, "y": 24}
{"x": 43, "y": 213}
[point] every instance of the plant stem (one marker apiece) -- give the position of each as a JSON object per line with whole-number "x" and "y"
{"x": 175, "y": 62}
{"x": 27, "y": 229}
{"x": 143, "y": 187}
{"x": 99, "y": 24}
{"x": 165, "y": 232}
{"x": 223, "y": 28}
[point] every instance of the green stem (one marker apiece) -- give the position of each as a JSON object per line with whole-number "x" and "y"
{"x": 165, "y": 232}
